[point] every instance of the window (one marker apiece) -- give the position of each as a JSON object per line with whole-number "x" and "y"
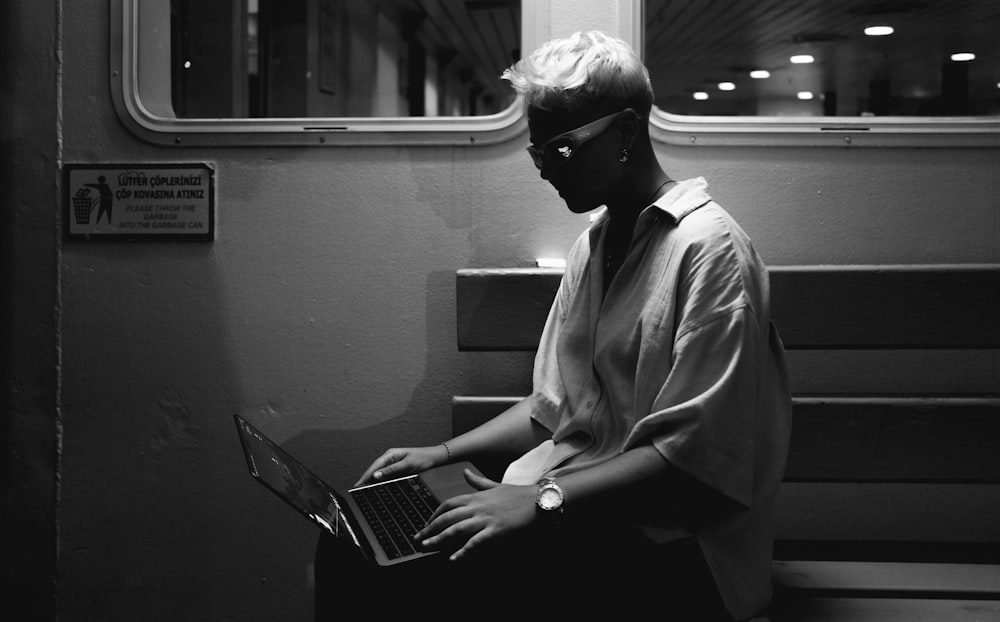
{"x": 319, "y": 71}
{"x": 854, "y": 72}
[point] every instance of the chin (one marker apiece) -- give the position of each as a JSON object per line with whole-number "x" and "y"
{"x": 578, "y": 205}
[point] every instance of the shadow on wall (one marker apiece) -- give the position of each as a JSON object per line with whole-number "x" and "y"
{"x": 340, "y": 456}
{"x": 159, "y": 519}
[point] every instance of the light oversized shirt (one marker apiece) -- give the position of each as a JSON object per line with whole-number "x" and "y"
{"x": 679, "y": 353}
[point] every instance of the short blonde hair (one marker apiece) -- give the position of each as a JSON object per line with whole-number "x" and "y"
{"x": 585, "y": 71}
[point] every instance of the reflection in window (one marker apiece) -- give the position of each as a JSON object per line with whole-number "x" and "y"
{"x": 341, "y": 58}
{"x": 805, "y": 58}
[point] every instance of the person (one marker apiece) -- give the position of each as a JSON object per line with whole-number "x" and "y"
{"x": 106, "y": 199}
{"x": 645, "y": 462}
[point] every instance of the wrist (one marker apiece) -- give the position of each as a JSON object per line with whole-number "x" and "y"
{"x": 447, "y": 452}
{"x": 549, "y": 500}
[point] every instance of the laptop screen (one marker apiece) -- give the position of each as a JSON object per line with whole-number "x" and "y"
{"x": 292, "y": 481}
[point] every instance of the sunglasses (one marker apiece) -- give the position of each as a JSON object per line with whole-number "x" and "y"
{"x": 554, "y": 152}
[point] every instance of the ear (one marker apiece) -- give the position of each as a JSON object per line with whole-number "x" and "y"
{"x": 628, "y": 127}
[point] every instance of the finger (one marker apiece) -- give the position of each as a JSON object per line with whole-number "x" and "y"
{"x": 395, "y": 465}
{"x": 377, "y": 469}
{"x": 456, "y": 530}
{"x": 441, "y": 521}
{"x": 470, "y": 544}
{"x": 369, "y": 473}
{"x": 366, "y": 476}
{"x": 479, "y": 482}
{"x": 448, "y": 505}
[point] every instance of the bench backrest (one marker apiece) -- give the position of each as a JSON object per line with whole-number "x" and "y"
{"x": 815, "y": 307}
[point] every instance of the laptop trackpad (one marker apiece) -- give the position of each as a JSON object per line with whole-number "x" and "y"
{"x": 448, "y": 481}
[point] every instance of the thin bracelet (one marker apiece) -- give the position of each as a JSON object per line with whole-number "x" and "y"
{"x": 448, "y": 450}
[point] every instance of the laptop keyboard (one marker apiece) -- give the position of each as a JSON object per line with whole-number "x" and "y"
{"x": 395, "y": 511}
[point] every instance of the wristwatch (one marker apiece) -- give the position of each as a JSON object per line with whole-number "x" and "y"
{"x": 549, "y": 497}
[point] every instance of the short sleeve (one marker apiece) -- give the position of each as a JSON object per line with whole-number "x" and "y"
{"x": 702, "y": 419}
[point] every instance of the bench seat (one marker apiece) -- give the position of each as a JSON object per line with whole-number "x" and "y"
{"x": 885, "y": 579}
{"x": 849, "y": 609}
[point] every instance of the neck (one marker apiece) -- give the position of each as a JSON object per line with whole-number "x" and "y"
{"x": 638, "y": 191}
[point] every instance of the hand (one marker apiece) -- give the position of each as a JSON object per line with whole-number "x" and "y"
{"x": 398, "y": 462}
{"x": 465, "y": 522}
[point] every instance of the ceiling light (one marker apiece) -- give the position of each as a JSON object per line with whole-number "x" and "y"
{"x": 802, "y": 59}
{"x": 962, "y": 57}
{"x": 879, "y": 31}
{"x": 760, "y": 74}
{"x": 701, "y": 95}
{"x": 804, "y": 95}
{"x": 727, "y": 86}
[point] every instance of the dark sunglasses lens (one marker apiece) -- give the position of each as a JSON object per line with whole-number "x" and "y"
{"x": 559, "y": 150}
{"x": 553, "y": 154}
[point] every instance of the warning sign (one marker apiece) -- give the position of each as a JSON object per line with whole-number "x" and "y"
{"x": 130, "y": 201}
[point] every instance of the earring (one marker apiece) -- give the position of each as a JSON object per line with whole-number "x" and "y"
{"x": 624, "y": 158}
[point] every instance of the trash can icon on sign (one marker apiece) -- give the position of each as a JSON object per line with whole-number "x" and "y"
{"x": 83, "y": 205}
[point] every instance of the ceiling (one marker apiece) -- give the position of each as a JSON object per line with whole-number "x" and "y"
{"x": 479, "y": 38}
{"x": 693, "y": 45}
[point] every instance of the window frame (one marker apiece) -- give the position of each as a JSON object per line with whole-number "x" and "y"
{"x": 890, "y": 131}
{"x": 140, "y": 108}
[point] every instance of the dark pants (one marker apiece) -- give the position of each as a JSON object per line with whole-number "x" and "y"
{"x": 552, "y": 575}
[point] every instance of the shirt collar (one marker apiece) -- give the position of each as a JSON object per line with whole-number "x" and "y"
{"x": 685, "y": 197}
{"x": 682, "y": 199}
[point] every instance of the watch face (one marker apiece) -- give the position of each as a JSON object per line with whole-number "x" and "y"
{"x": 549, "y": 499}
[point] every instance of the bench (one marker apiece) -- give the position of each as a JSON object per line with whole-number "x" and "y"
{"x": 890, "y": 508}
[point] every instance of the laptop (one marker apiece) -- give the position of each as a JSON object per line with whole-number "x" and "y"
{"x": 380, "y": 519}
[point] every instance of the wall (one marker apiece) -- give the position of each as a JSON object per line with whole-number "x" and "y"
{"x": 324, "y": 313}
{"x": 29, "y": 139}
